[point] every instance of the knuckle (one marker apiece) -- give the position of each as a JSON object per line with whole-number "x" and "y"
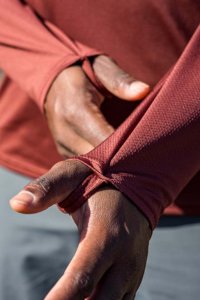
{"x": 58, "y": 166}
{"x": 41, "y": 186}
{"x": 115, "y": 84}
{"x": 57, "y": 174}
{"x": 72, "y": 112}
{"x": 121, "y": 80}
{"x": 75, "y": 112}
{"x": 88, "y": 96}
{"x": 82, "y": 98}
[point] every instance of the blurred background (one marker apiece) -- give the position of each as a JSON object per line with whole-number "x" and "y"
{"x": 31, "y": 254}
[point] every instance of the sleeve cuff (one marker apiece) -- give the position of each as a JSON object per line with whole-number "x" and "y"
{"x": 62, "y": 64}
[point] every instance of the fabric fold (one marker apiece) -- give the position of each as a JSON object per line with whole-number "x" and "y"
{"x": 152, "y": 156}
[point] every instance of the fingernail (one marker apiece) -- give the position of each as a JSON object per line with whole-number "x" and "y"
{"x": 139, "y": 86}
{"x": 26, "y": 198}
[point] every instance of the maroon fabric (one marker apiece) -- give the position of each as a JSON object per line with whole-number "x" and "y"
{"x": 39, "y": 38}
{"x": 156, "y": 151}
{"x": 33, "y": 52}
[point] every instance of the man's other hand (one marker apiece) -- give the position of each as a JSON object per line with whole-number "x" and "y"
{"x": 73, "y": 104}
{"x": 111, "y": 257}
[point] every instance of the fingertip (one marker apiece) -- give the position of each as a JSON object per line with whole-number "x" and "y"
{"x": 24, "y": 203}
{"x": 23, "y": 208}
{"x": 18, "y": 206}
{"x": 138, "y": 90}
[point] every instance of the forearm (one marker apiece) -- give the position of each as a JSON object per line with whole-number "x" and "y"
{"x": 155, "y": 152}
{"x": 33, "y": 51}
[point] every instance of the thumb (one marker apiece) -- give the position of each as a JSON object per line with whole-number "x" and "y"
{"x": 117, "y": 81}
{"x": 51, "y": 188}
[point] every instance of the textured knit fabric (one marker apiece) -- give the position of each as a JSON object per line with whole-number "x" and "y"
{"x": 41, "y": 52}
{"x": 32, "y": 53}
{"x": 39, "y": 38}
{"x": 156, "y": 151}
{"x": 35, "y": 250}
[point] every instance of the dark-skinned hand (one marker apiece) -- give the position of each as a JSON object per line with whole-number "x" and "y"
{"x": 114, "y": 235}
{"x": 73, "y": 104}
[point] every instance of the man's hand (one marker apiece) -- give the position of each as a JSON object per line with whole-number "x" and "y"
{"x": 111, "y": 257}
{"x": 114, "y": 236}
{"x": 73, "y": 104}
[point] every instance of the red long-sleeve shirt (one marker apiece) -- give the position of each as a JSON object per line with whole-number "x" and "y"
{"x": 154, "y": 155}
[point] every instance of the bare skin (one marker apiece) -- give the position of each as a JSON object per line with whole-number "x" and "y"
{"x": 114, "y": 235}
{"x": 73, "y": 105}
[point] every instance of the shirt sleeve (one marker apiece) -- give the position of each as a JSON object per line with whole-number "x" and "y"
{"x": 34, "y": 51}
{"x": 152, "y": 156}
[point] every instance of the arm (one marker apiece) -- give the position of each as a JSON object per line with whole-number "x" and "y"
{"x": 38, "y": 56}
{"x": 150, "y": 158}
{"x": 34, "y": 51}
{"x": 155, "y": 153}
